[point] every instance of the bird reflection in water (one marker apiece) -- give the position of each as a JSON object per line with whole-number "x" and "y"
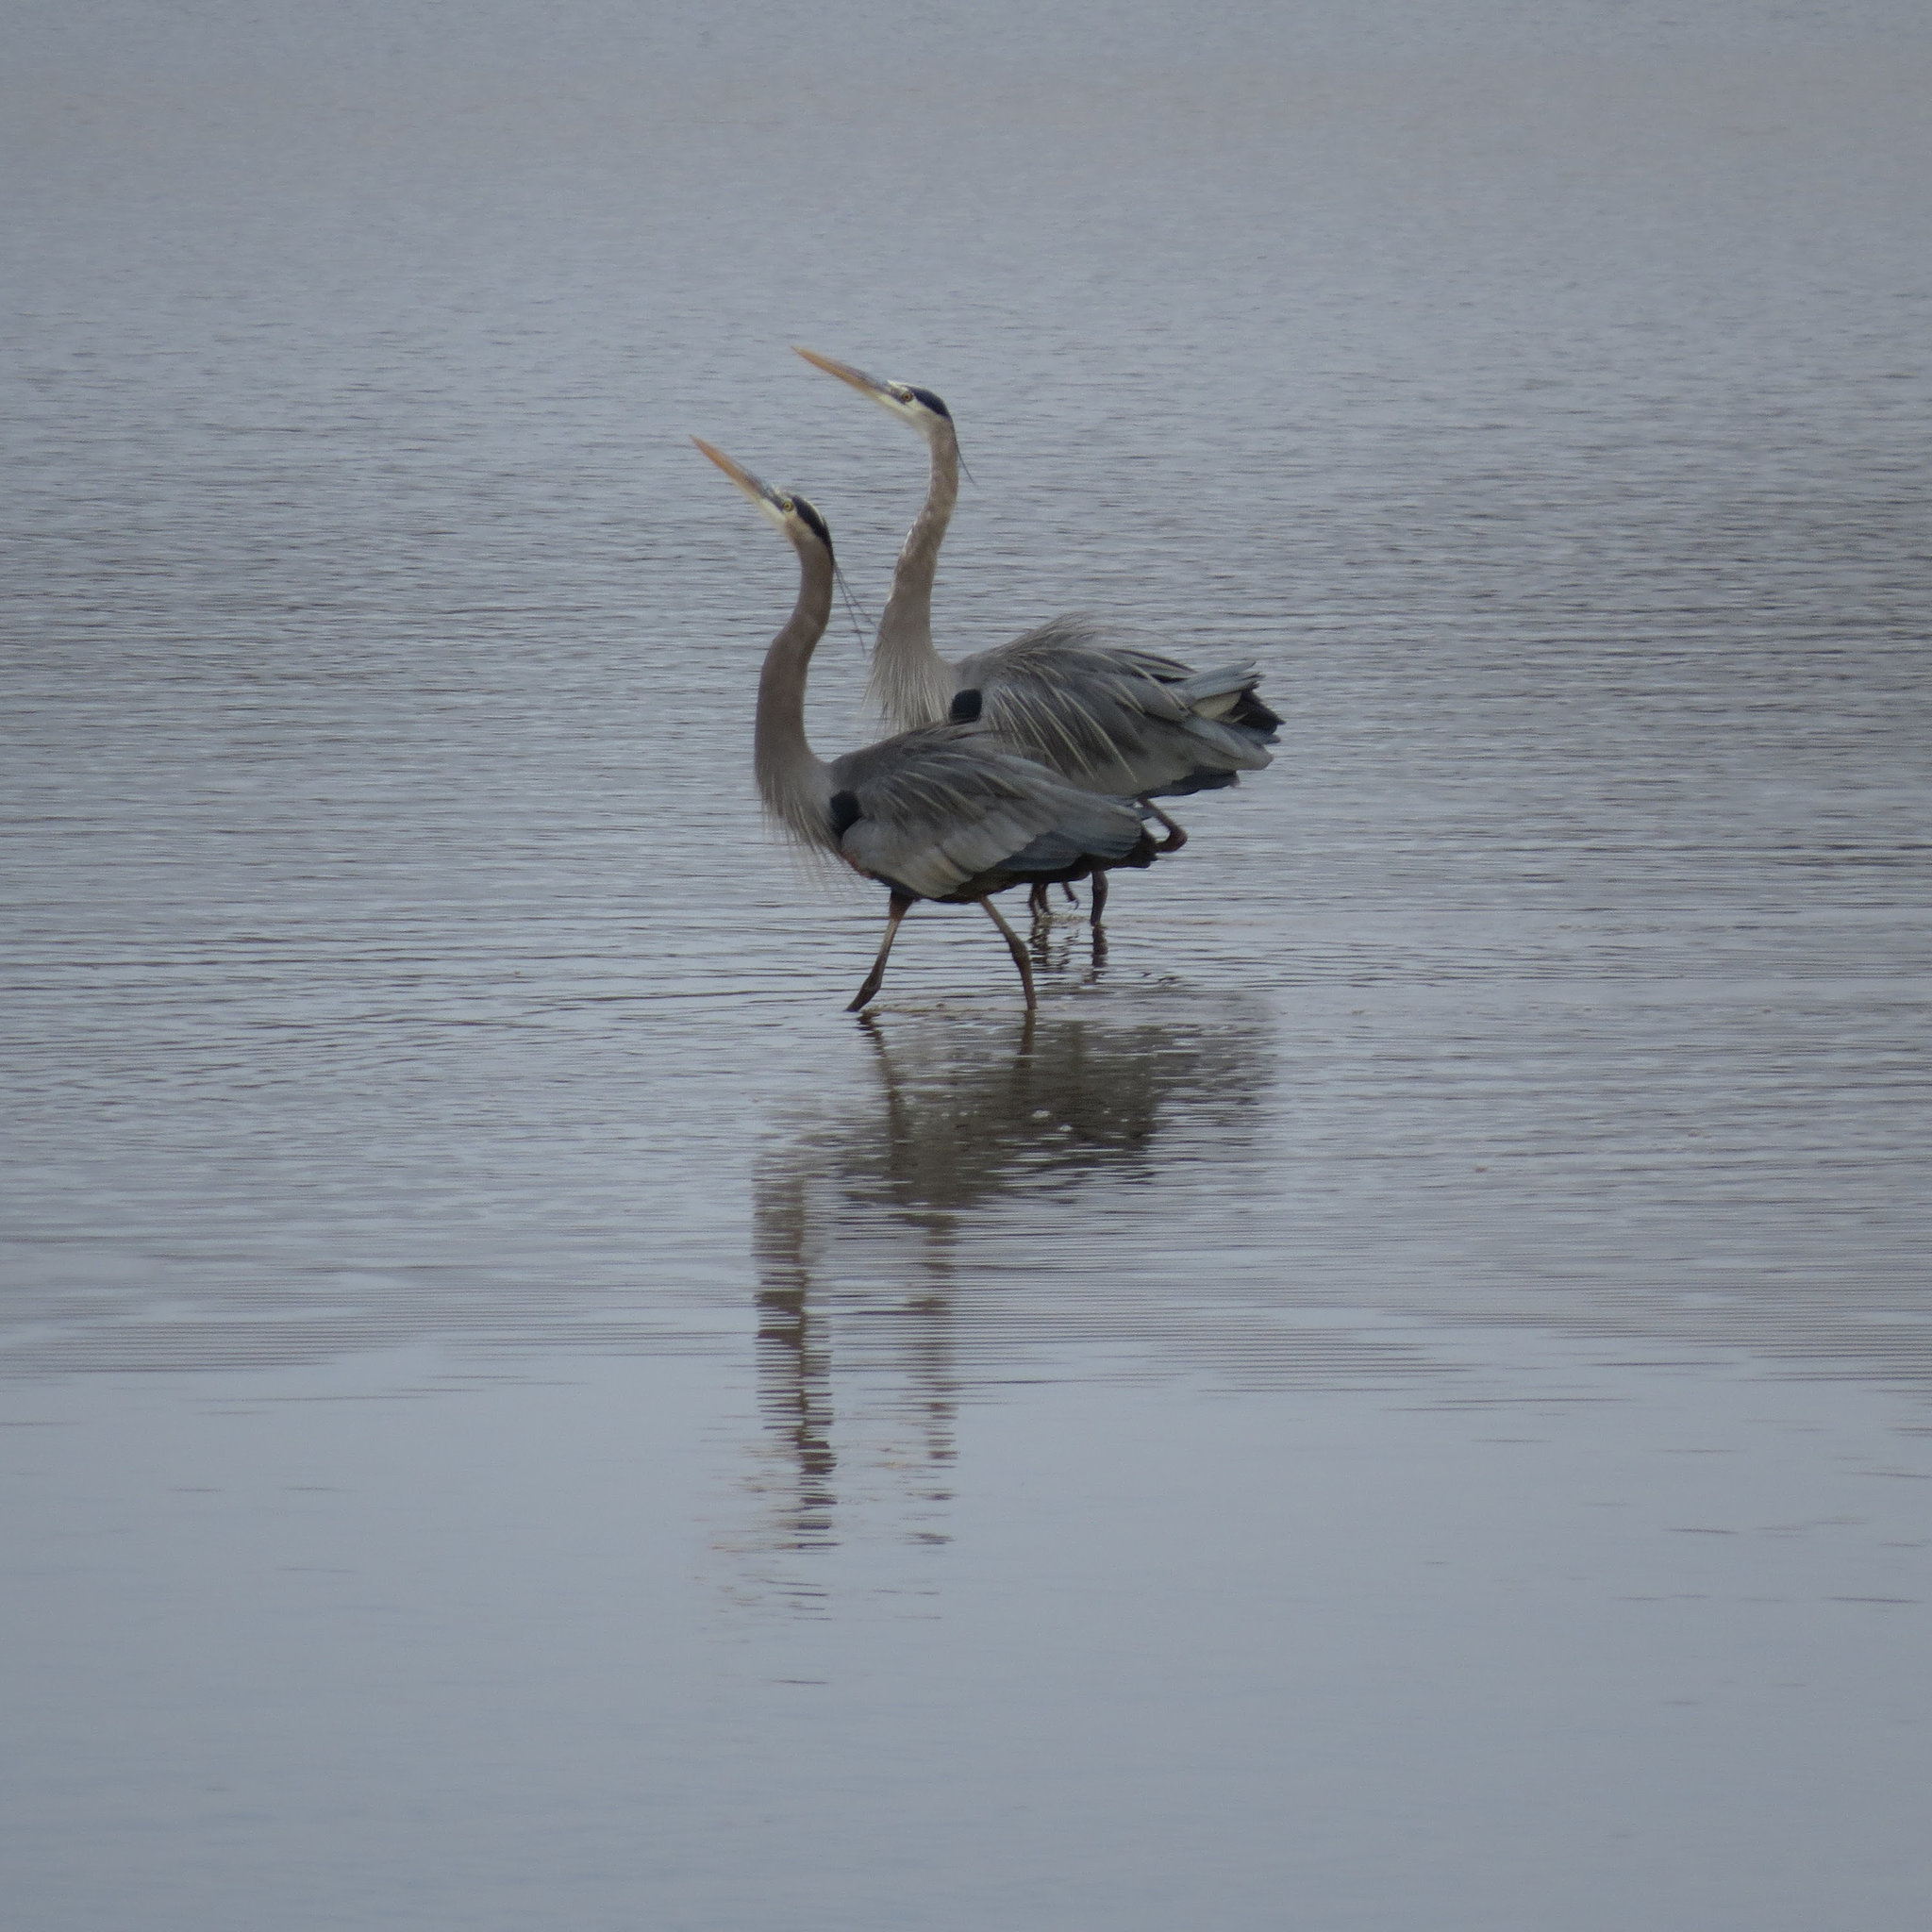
{"x": 886, "y": 1234}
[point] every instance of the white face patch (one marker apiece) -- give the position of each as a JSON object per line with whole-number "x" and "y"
{"x": 899, "y": 399}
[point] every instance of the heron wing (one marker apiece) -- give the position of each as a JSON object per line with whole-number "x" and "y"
{"x": 939, "y": 808}
{"x": 1106, "y": 707}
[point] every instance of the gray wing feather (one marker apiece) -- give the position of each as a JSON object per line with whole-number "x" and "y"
{"x": 1103, "y": 707}
{"x": 949, "y": 804}
{"x": 1225, "y": 681}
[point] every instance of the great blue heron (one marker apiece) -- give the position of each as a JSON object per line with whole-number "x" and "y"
{"x": 1103, "y": 705}
{"x": 946, "y": 812}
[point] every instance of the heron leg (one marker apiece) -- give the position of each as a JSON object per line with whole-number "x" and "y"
{"x": 1072, "y": 897}
{"x": 1036, "y": 902}
{"x": 1014, "y": 947}
{"x": 1176, "y": 838}
{"x": 901, "y": 906}
{"x": 1099, "y": 900}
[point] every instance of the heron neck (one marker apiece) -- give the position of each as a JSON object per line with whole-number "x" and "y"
{"x": 795, "y": 787}
{"x": 911, "y": 681}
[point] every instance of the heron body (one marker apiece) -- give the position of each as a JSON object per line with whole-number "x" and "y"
{"x": 1106, "y": 706}
{"x": 949, "y": 811}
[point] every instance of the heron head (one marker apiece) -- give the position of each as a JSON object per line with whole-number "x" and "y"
{"x": 792, "y": 514}
{"x": 918, "y": 407}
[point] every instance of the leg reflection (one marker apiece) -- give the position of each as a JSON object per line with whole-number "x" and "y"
{"x": 794, "y": 1363}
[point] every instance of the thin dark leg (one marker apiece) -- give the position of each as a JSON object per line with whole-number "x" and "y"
{"x": 1099, "y": 900}
{"x": 1014, "y": 947}
{"x": 1176, "y": 838}
{"x": 900, "y": 908}
{"x": 1072, "y": 897}
{"x": 1036, "y": 901}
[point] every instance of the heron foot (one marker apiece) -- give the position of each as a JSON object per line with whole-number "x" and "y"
{"x": 1177, "y": 835}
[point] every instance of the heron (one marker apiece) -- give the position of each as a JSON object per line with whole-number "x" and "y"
{"x": 1105, "y": 705}
{"x": 947, "y": 812}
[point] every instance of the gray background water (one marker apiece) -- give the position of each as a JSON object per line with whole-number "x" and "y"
{"x": 1399, "y": 1405}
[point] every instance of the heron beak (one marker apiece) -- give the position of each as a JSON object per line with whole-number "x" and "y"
{"x": 767, "y": 499}
{"x": 866, "y": 385}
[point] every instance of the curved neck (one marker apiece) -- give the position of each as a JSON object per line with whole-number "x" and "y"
{"x": 909, "y": 679}
{"x": 795, "y": 787}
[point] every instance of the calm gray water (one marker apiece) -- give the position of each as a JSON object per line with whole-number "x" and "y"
{"x": 1399, "y": 1404}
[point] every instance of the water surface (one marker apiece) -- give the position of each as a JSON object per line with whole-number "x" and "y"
{"x": 1397, "y": 1402}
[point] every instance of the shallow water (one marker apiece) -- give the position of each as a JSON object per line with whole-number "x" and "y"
{"x": 1398, "y": 1401}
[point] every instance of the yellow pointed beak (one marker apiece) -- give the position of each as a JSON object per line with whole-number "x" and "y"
{"x": 760, "y": 493}
{"x": 866, "y": 385}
